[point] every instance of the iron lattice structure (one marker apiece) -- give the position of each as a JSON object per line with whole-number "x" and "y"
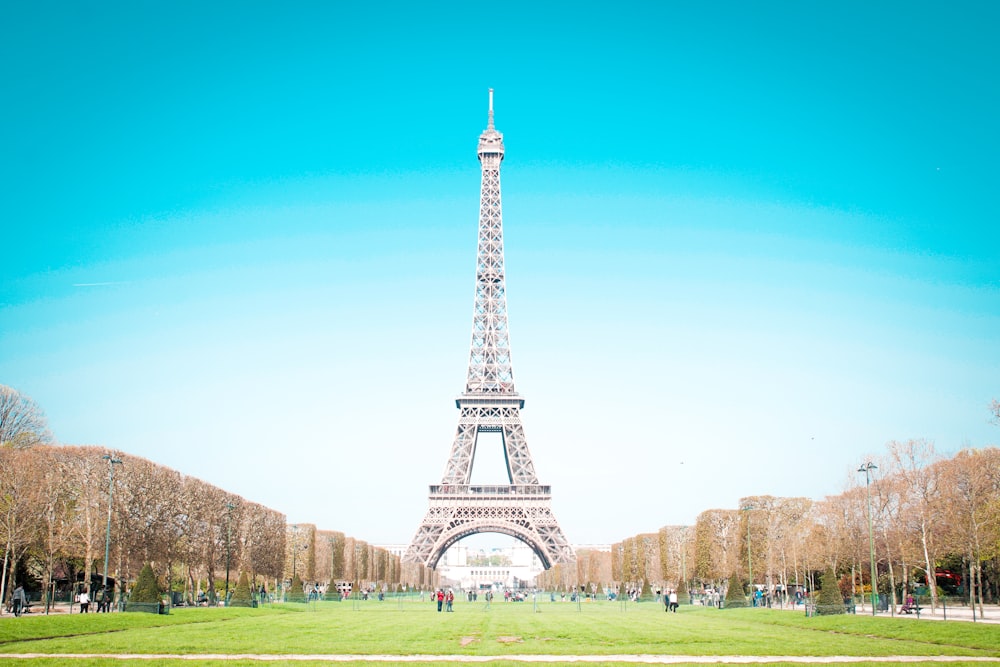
{"x": 490, "y": 404}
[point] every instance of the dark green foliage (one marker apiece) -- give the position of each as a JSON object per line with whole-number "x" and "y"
{"x": 734, "y": 595}
{"x": 647, "y": 591}
{"x": 147, "y": 588}
{"x": 829, "y": 599}
{"x": 295, "y": 592}
{"x": 242, "y": 597}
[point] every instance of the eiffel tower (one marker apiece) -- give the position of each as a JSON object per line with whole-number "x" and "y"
{"x": 521, "y": 509}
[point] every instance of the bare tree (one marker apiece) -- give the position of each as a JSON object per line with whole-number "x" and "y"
{"x": 89, "y": 485}
{"x": 19, "y": 510}
{"x": 22, "y": 422}
{"x": 971, "y": 492}
{"x": 913, "y": 462}
{"x": 52, "y": 467}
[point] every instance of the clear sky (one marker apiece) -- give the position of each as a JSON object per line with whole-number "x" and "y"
{"x": 747, "y": 243}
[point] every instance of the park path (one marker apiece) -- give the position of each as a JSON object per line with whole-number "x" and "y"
{"x": 631, "y": 659}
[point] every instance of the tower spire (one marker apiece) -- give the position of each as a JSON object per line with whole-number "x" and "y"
{"x": 489, "y": 124}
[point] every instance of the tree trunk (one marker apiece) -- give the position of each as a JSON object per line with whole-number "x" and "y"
{"x": 3, "y": 578}
{"x": 929, "y": 566}
{"x": 972, "y": 586}
{"x": 979, "y": 585}
{"x": 892, "y": 587}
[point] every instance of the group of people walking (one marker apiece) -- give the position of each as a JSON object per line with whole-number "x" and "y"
{"x": 103, "y": 599}
{"x": 670, "y": 601}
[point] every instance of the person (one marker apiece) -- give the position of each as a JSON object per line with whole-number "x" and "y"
{"x": 84, "y": 602}
{"x": 440, "y": 598}
{"x": 19, "y": 600}
{"x": 673, "y": 601}
{"x": 450, "y": 599}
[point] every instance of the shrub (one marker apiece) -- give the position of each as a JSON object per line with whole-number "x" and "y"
{"x": 147, "y": 588}
{"x": 734, "y": 595}
{"x": 829, "y": 599}
{"x": 242, "y": 597}
{"x": 295, "y": 592}
{"x": 647, "y": 591}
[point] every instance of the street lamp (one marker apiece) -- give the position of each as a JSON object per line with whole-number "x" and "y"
{"x": 112, "y": 462}
{"x": 295, "y": 548}
{"x": 747, "y": 508}
{"x": 333, "y": 582}
{"x": 866, "y": 469}
{"x": 229, "y": 538}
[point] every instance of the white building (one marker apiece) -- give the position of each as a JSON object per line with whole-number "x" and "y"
{"x": 480, "y": 568}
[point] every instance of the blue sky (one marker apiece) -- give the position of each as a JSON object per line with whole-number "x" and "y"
{"x": 747, "y": 243}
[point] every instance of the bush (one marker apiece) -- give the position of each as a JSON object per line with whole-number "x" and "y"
{"x": 829, "y": 599}
{"x": 734, "y": 595}
{"x": 295, "y": 592}
{"x": 147, "y": 588}
{"x": 242, "y": 597}
{"x": 647, "y": 591}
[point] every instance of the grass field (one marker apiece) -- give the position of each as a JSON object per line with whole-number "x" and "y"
{"x": 412, "y": 628}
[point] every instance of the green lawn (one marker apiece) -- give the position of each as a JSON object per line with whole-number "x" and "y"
{"x": 506, "y": 629}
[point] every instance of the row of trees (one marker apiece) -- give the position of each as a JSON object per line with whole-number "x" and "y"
{"x": 928, "y": 513}
{"x": 324, "y": 556}
{"x": 56, "y": 522}
{"x": 63, "y": 507}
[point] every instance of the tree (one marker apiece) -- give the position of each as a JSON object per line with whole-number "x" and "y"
{"x": 717, "y": 545}
{"x": 19, "y": 509}
{"x": 22, "y": 422}
{"x": 919, "y": 479}
{"x": 970, "y": 492}
{"x": 57, "y": 506}
{"x": 88, "y": 480}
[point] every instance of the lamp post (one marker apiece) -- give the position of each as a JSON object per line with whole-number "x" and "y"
{"x": 866, "y": 469}
{"x": 747, "y": 508}
{"x": 333, "y": 582}
{"x": 112, "y": 462}
{"x": 229, "y": 538}
{"x": 295, "y": 549}
{"x": 687, "y": 589}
